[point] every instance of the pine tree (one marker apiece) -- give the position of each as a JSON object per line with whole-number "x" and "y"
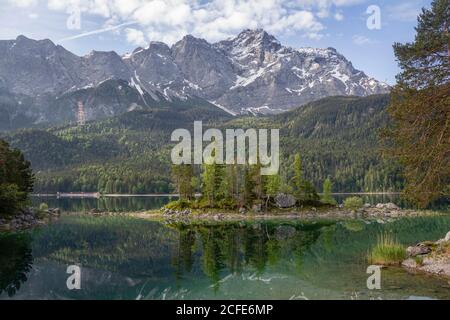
{"x": 16, "y": 179}
{"x": 420, "y": 107}
{"x": 272, "y": 187}
{"x": 327, "y": 197}
{"x": 182, "y": 177}
{"x": 208, "y": 183}
{"x": 298, "y": 181}
{"x": 303, "y": 189}
{"x": 248, "y": 185}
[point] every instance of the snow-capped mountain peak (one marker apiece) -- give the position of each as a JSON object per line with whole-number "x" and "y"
{"x": 250, "y": 72}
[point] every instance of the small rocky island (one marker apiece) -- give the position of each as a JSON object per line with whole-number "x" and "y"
{"x": 382, "y": 212}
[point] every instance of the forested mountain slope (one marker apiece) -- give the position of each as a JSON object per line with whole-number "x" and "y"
{"x": 130, "y": 153}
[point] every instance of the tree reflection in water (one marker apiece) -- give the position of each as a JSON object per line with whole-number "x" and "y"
{"x": 234, "y": 247}
{"x": 123, "y": 258}
{"x": 16, "y": 261}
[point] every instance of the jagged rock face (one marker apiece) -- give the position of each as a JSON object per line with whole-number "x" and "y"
{"x": 155, "y": 71}
{"x": 154, "y": 65}
{"x": 252, "y": 72}
{"x": 273, "y": 78}
{"x": 251, "y": 50}
{"x": 37, "y": 67}
{"x": 100, "y": 66}
{"x": 204, "y": 66}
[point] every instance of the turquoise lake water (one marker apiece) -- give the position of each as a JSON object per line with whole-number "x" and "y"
{"x": 128, "y": 258}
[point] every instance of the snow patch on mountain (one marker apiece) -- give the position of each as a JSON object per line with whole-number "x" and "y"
{"x": 252, "y": 72}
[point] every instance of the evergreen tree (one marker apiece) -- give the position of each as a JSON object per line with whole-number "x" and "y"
{"x": 16, "y": 179}
{"x": 255, "y": 175}
{"x": 303, "y": 189}
{"x": 272, "y": 187}
{"x": 298, "y": 182}
{"x": 327, "y": 197}
{"x": 248, "y": 186}
{"x": 420, "y": 107}
{"x": 310, "y": 192}
{"x": 208, "y": 183}
{"x": 182, "y": 177}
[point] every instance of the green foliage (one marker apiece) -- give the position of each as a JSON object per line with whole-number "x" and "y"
{"x": 272, "y": 186}
{"x": 298, "y": 183}
{"x": 338, "y": 138}
{"x": 420, "y": 109}
{"x": 248, "y": 185}
{"x": 43, "y": 206}
{"x": 354, "y": 225}
{"x": 353, "y": 203}
{"x": 327, "y": 198}
{"x": 182, "y": 177}
{"x": 16, "y": 179}
{"x": 387, "y": 251}
{"x": 11, "y": 199}
{"x": 180, "y": 204}
{"x": 304, "y": 190}
{"x": 16, "y": 261}
{"x": 227, "y": 204}
{"x": 209, "y": 179}
{"x": 130, "y": 153}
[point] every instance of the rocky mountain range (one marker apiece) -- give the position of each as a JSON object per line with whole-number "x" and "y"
{"x": 41, "y": 82}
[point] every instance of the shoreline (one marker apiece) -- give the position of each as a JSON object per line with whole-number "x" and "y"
{"x": 429, "y": 257}
{"x": 28, "y": 218}
{"x": 130, "y": 195}
{"x": 382, "y": 213}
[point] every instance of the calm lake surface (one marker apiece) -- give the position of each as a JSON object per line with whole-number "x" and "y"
{"x": 128, "y": 258}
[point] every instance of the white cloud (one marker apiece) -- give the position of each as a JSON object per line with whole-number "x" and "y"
{"x": 339, "y": 16}
{"x": 135, "y": 37}
{"x": 169, "y": 20}
{"x": 23, "y": 3}
{"x": 361, "y": 40}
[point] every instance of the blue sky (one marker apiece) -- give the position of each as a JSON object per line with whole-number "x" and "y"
{"x": 122, "y": 25}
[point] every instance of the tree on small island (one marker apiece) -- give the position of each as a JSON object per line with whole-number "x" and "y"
{"x": 326, "y": 196}
{"x": 240, "y": 186}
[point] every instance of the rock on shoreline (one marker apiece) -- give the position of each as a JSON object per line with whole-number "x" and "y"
{"x": 28, "y": 218}
{"x": 430, "y": 257}
{"x": 383, "y": 212}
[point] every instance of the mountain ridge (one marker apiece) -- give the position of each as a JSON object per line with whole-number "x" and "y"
{"x": 250, "y": 73}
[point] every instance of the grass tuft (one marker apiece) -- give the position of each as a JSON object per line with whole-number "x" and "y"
{"x": 387, "y": 251}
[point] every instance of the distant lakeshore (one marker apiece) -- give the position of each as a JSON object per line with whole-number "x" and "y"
{"x": 119, "y": 195}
